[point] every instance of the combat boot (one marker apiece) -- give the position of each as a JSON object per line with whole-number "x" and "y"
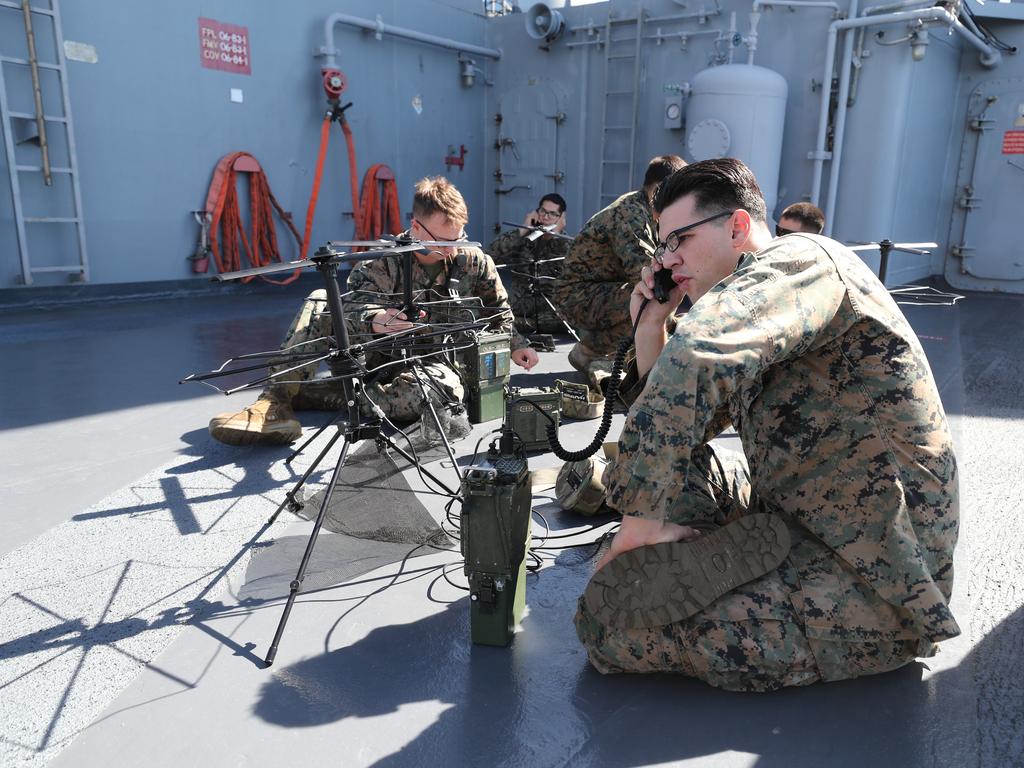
{"x": 265, "y": 422}
{"x": 581, "y": 357}
{"x": 664, "y": 583}
{"x": 596, "y": 367}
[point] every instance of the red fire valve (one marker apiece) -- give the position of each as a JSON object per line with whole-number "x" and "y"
{"x": 453, "y": 159}
{"x": 334, "y": 83}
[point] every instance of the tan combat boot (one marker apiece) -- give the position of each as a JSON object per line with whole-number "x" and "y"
{"x": 596, "y": 367}
{"x": 581, "y": 356}
{"x": 265, "y": 422}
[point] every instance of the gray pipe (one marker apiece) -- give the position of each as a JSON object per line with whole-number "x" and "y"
{"x": 899, "y": 6}
{"x": 989, "y": 58}
{"x": 648, "y": 20}
{"x": 329, "y": 52}
{"x": 758, "y": 4}
{"x": 839, "y": 129}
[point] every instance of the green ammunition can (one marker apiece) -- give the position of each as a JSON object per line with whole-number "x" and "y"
{"x": 495, "y": 538}
{"x": 487, "y": 371}
{"x": 527, "y": 421}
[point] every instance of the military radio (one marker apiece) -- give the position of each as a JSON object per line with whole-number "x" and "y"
{"x": 486, "y": 366}
{"x": 527, "y": 407}
{"x": 496, "y": 508}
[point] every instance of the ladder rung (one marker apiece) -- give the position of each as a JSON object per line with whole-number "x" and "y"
{"x": 617, "y": 127}
{"x": 58, "y": 269}
{"x": 30, "y": 116}
{"x": 39, "y": 168}
{"x": 618, "y": 93}
{"x": 17, "y": 7}
{"x": 622, "y": 56}
{"x": 50, "y": 220}
{"x": 606, "y": 162}
{"x": 26, "y": 62}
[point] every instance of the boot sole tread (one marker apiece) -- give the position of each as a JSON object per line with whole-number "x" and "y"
{"x": 665, "y": 583}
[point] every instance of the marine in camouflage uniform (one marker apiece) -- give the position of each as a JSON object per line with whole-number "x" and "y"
{"x": 601, "y": 268}
{"x": 443, "y": 268}
{"x": 372, "y": 284}
{"x": 844, "y": 437}
{"x": 532, "y": 313}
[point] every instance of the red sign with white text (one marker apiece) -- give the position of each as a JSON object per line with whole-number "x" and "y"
{"x": 224, "y": 46}
{"x": 1013, "y": 143}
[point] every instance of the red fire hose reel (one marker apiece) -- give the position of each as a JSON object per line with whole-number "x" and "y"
{"x": 335, "y": 83}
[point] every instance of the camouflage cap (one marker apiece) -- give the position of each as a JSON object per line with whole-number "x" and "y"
{"x": 580, "y": 401}
{"x": 578, "y": 487}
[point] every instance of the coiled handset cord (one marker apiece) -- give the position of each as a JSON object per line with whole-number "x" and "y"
{"x": 609, "y": 404}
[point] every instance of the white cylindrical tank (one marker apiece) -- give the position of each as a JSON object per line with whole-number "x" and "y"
{"x": 739, "y": 110}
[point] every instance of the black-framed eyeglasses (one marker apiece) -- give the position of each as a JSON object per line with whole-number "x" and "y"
{"x": 544, "y": 212}
{"x": 670, "y": 243}
{"x": 462, "y": 234}
{"x": 780, "y": 231}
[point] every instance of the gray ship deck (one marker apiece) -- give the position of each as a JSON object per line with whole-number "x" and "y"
{"x": 134, "y": 616}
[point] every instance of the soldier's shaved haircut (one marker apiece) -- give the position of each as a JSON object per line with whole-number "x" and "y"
{"x": 721, "y": 184}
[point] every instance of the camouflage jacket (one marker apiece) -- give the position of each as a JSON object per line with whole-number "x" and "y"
{"x": 810, "y": 359}
{"x": 511, "y": 248}
{"x": 471, "y": 272}
{"x": 601, "y": 269}
{"x": 515, "y": 252}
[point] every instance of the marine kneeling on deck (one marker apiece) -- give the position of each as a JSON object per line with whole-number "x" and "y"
{"x": 439, "y": 275}
{"x": 825, "y": 550}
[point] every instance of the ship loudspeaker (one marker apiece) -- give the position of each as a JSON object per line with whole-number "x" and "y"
{"x": 544, "y": 22}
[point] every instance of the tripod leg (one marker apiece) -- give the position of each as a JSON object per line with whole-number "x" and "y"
{"x": 559, "y": 316}
{"x": 297, "y": 581}
{"x": 313, "y": 437}
{"x": 418, "y": 373}
{"x": 289, "y": 498}
{"x": 405, "y": 455}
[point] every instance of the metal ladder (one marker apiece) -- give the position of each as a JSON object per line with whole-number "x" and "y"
{"x": 79, "y": 271}
{"x": 617, "y": 170}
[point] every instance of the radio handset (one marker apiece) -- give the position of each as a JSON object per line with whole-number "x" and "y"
{"x": 663, "y": 284}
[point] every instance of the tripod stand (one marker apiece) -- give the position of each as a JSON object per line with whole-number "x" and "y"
{"x": 355, "y": 425}
{"x": 534, "y": 283}
{"x": 359, "y": 419}
{"x": 535, "y": 291}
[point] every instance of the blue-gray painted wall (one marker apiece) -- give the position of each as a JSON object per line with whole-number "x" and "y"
{"x": 903, "y": 134}
{"x": 151, "y": 123}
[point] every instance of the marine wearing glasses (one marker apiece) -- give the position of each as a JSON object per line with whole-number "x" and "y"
{"x": 675, "y": 237}
{"x": 527, "y": 250}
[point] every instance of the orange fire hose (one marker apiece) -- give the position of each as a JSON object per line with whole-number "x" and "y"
{"x": 222, "y": 206}
{"x": 318, "y": 176}
{"x": 325, "y": 128}
{"x": 372, "y": 214}
{"x": 353, "y": 178}
{"x": 380, "y": 211}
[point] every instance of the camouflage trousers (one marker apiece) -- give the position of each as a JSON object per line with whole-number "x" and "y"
{"x": 604, "y": 340}
{"x": 753, "y": 638}
{"x": 395, "y": 389}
